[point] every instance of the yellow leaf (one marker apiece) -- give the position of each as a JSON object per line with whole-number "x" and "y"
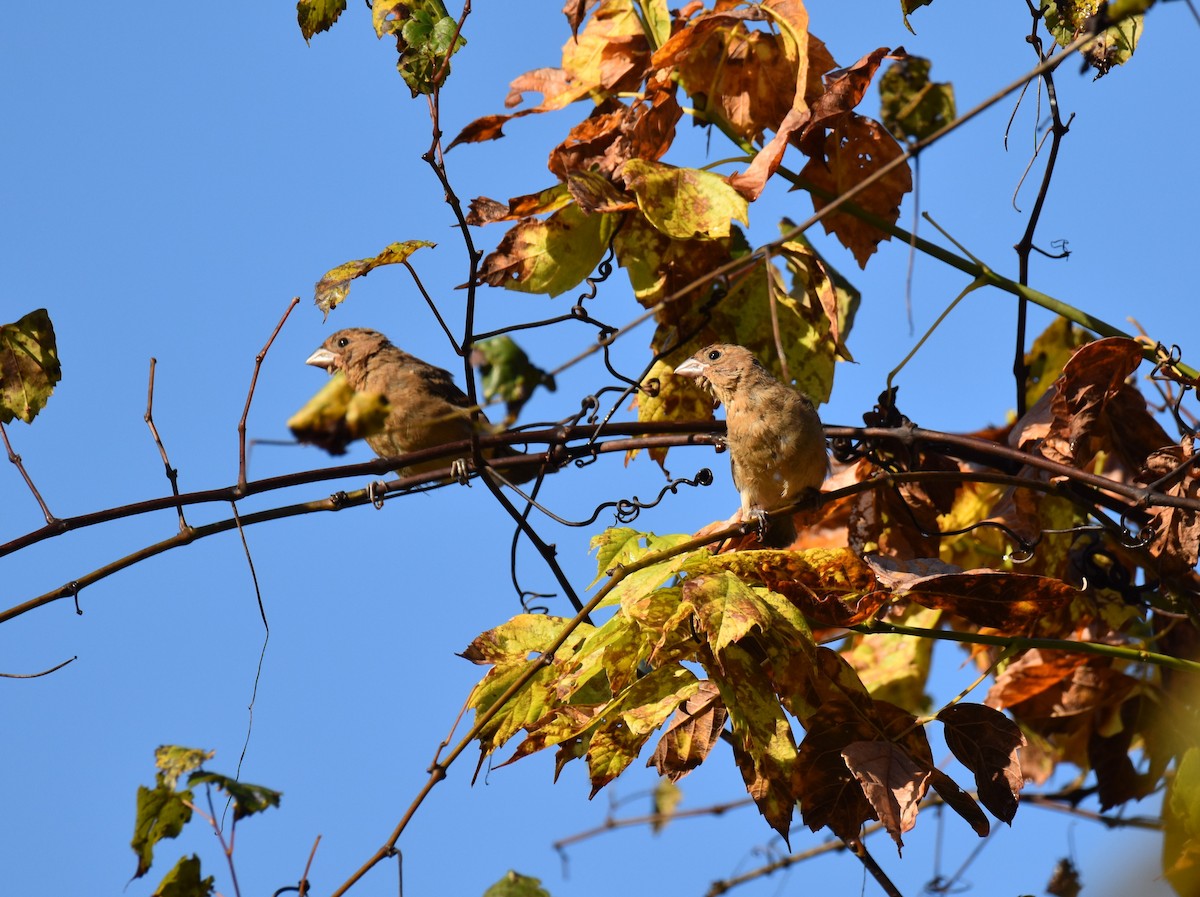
{"x": 334, "y": 287}
{"x": 684, "y": 203}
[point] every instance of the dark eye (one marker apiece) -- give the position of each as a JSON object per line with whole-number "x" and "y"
{"x": 714, "y": 354}
{"x": 343, "y": 342}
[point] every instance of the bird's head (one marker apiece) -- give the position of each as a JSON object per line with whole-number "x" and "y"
{"x": 720, "y": 367}
{"x": 346, "y": 348}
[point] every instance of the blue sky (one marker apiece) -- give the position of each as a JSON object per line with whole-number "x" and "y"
{"x": 170, "y": 182}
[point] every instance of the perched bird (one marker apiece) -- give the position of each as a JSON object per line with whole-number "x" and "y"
{"x": 426, "y": 409}
{"x": 776, "y": 445}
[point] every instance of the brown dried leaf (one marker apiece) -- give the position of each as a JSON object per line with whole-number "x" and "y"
{"x": 986, "y": 741}
{"x": 732, "y": 73}
{"x": 691, "y": 734}
{"x": 853, "y": 151}
{"x": 842, "y": 93}
{"x": 1006, "y": 602}
{"x": 893, "y": 783}
{"x": 1175, "y": 538}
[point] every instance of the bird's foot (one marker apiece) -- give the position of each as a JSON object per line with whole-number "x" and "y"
{"x": 458, "y": 470}
{"x": 375, "y": 492}
{"x": 761, "y": 522}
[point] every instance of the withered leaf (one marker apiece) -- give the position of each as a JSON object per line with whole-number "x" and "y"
{"x": 843, "y": 92}
{"x": 828, "y": 792}
{"x": 1008, "y": 602}
{"x": 985, "y": 741}
{"x": 892, "y": 782}
{"x": 691, "y": 734}
{"x": 333, "y": 288}
{"x": 854, "y": 150}
{"x": 29, "y": 366}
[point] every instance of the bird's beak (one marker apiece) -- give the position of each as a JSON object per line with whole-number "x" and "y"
{"x": 322, "y": 358}
{"x": 690, "y": 368}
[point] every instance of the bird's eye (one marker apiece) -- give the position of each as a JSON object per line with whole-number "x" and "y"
{"x": 714, "y": 355}
{"x": 343, "y": 342}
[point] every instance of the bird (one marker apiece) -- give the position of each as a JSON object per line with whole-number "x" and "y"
{"x": 425, "y": 407}
{"x": 776, "y": 444}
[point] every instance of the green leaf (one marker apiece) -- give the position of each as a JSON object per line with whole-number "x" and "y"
{"x": 161, "y": 813}
{"x": 334, "y": 287}
{"x": 622, "y": 545}
{"x": 29, "y": 366}
{"x": 424, "y": 32}
{"x": 513, "y": 884}
{"x": 658, "y": 20}
{"x": 247, "y": 799}
{"x": 317, "y": 15}
{"x": 508, "y": 374}
{"x": 184, "y": 880}
{"x": 685, "y": 203}
{"x": 907, "y": 7}
{"x": 912, "y": 106}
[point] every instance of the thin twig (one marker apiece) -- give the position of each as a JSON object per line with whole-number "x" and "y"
{"x": 172, "y": 473}
{"x": 52, "y": 669}
{"x": 16, "y": 459}
{"x": 258, "y": 360}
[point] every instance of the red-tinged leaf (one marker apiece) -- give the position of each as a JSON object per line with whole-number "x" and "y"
{"x": 842, "y": 93}
{"x": 555, "y": 86}
{"x": 333, "y": 288}
{"x": 959, "y": 801}
{"x": 833, "y": 587}
{"x": 29, "y": 366}
{"x": 1049, "y": 687}
{"x": 575, "y": 11}
{"x": 1095, "y": 410}
{"x": 853, "y": 151}
{"x": 892, "y": 782}
{"x": 611, "y": 53}
{"x": 691, "y": 734}
{"x": 986, "y": 741}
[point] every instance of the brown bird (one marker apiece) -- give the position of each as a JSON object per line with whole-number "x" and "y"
{"x": 426, "y": 409}
{"x": 776, "y": 445}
